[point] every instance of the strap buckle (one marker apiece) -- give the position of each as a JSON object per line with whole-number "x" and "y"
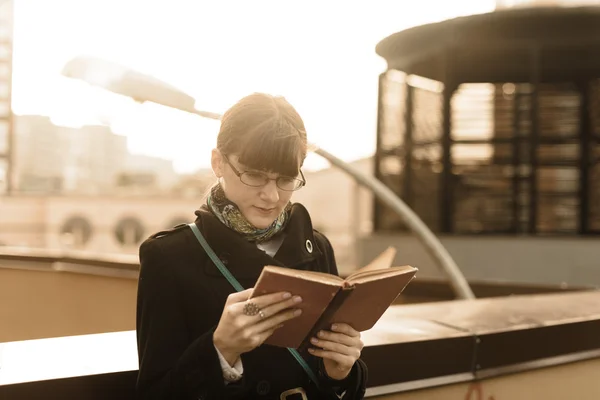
{"x": 291, "y": 392}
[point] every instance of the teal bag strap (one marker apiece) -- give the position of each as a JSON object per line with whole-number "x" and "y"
{"x": 239, "y": 288}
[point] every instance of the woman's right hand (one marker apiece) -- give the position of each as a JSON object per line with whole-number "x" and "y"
{"x": 238, "y": 333}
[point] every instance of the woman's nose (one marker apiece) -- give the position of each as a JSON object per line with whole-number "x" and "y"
{"x": 271, "y": 192}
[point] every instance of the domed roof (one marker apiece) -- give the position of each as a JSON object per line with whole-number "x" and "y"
{"x": 501, "y": 46}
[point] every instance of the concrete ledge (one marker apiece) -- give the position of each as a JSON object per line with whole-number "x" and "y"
{"x": 413, "y": 347}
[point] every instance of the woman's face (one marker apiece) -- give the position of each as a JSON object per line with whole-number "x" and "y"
{"x": 259, "y": 205}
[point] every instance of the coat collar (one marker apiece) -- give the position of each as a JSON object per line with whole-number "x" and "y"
{"x": 244, "y": 260}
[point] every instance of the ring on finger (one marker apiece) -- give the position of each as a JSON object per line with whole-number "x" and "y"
{"x": 251, "y": 309}
{"x": 261, "y": 314}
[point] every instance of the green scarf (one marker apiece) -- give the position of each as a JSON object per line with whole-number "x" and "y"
{"x": 229, "y": 214}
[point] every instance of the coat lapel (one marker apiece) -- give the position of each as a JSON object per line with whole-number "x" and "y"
{"x": 244, "y": 260}
{"x": 299, "y": 247}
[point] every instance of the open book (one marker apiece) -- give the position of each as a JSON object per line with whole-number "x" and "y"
{"x": 359, "y": 300}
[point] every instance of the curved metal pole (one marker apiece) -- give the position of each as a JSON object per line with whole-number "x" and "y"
{"x": 428, "y": 239}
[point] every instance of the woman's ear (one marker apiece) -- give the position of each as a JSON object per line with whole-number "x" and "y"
{"x": 216, "y": 162}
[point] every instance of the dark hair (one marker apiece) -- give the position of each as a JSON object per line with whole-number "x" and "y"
{"x": 266, "y": 133}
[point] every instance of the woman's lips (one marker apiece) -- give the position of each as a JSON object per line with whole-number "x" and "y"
{"x": 264, "y": 210}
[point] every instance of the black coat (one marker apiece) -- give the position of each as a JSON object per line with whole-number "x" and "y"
{"x": 181, "y": 295}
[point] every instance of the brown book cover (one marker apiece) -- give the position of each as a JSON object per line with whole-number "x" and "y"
{"x": 359, "y": 300}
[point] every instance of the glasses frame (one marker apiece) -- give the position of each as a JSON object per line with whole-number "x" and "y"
{"x": 240, "y": 174}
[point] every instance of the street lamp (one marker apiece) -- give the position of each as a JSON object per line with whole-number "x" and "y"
{"x": 128, "y": 82}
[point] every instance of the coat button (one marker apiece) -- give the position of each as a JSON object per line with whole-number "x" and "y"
{"x": 224, "y": 258}
{"x": 263, "y": 388}
{"x": 309, "y": 246}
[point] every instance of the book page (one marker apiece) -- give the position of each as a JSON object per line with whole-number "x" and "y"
{"x": 368, "y": 300}
{"x": 307, "y": 275}
{"x": 382, "y": 261}
{"x": 368, "y": 276}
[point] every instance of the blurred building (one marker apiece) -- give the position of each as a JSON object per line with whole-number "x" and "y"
{"x": 6, "y": 33}
{"x": 87, "y": 160}
{"x": 117, "y": 223}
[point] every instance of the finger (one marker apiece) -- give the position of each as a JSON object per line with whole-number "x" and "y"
{"x": 345, "y": 328}
{"x": 276, "y": 298}
{"x": 343, "y": 361}
{"x": 268, "y": 299}
{"x": 280, "y": 306}
{"x": 341, "y": 338}
{"x": 350, "y": 351}
{"x": 239, "y": 296}
{"x": 275, "y": 320}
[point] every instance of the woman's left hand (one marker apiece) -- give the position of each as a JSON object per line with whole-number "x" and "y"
{"x": 339, "y": 349}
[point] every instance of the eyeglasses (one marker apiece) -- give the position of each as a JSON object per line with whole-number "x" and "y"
{"x": 259, "y": 179}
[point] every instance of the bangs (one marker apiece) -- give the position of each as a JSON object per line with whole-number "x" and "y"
{"x": 273, "y": 146}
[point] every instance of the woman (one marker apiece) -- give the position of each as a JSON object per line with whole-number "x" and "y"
{"x": 197, "y": 336}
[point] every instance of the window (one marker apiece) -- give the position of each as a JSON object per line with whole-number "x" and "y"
{"x": 129, "y": 231}
{"x": 391, "y": 135}
{"x": 76, "y": 232}
{"x": 426, "y": 164}
{"x": 513, "y": 168}
{"x": 482, "y": 155}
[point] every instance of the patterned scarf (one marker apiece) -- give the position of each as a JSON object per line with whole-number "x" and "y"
{"x": 229, "y": 214}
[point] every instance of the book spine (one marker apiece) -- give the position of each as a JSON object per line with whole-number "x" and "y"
{"x": 324, "y": 321}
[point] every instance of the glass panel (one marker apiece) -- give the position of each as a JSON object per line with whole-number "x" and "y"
{"x": 558, "y": 200}
{"x": 558, "y": 153}
{"x": 558, "y": 180}
{"x": 595, "y": 107}
{"x": 483, "y": 213}
{"x": 523, "y": 200}
{"x": 392, "y": 132}
{"x": 558, "y": 214}
{"x": 594, "y": 173}
{"x": 390, "y": 166}
{"x": 425, "y": 195}
{"x": 427, "y": 116}
{"x": 523, "y": 109}
{"x": 504, "y": 97}
{"x": 524, "y": 152}
{"x": 427, "y": 154}
{"x": 559, "y": 111}
{"x": 472, "y": 112}
{"x": 483, "y": 198}
{"x": 482, "y": 154}
{"x": 425, "y": 175}
{"x": 391, "y": 174}
{"x": 594, "y": 195}
{"x": 595, "y": 153}
{"x": 392, "y": 124}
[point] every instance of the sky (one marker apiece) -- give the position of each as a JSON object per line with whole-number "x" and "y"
{"x": 319, "y": 54}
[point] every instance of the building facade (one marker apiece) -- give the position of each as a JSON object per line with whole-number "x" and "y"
{"x": 90, "y": 160}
